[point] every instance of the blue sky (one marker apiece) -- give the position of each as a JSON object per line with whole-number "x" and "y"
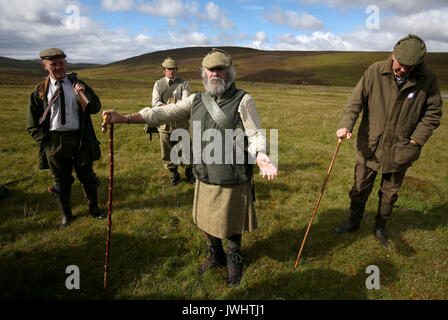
{"x": 104, "y": 31}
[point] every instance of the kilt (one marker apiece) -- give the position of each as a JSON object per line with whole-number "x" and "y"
{"x": 223, "y": 211}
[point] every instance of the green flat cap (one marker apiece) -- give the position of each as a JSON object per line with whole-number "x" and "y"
{"x": 169, "y": 63}
{"x": 52, "y": 53}
{"x": 410, "y": 50}
{"x": 217, "y": 58}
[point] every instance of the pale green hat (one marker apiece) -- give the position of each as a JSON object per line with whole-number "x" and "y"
{"x": 410, "y": 50}
{"x": 169, "y": 63}
{"x": 51, "y": 53}
{"x": 217, "y": 58}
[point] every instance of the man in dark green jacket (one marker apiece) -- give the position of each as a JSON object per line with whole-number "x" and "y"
{"x": 401, "y": 105}
{"x": 58, "y": 119}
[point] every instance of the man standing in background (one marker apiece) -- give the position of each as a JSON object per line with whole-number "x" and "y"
{"x": 171, "y": 89}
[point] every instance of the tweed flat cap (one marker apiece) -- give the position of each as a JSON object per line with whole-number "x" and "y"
{"x": 217, "y": 58}
{"x": 410, "y": 50}
{"x": 169, "y": 63}
{"x": 52, "y": 53}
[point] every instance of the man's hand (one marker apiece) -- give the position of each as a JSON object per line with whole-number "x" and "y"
{"x": 114, "y": 117}
{"x": 413, "y": 141}
{"x": 267, "y": 168}
{"x": 344, "y": 133}
{"x": 79, "y": 88}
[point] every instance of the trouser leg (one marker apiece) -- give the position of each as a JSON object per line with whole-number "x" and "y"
{"x": 59, "y": 152}
{"x": 364, "y": 179}
{"x": 387, "y": 196}
{"x": 165, "y": 149}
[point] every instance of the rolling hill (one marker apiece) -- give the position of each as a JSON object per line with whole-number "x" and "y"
{"x": 324, "y": 68}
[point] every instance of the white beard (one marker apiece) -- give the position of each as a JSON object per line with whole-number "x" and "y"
{"x": 216, "y": 86}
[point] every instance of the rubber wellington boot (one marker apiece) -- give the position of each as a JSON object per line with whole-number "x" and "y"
{"x": 356, "y": 214}
{"x": 384, "y": 211}
{"x": 63, "y": 198}
{"x": 91, "y": 194}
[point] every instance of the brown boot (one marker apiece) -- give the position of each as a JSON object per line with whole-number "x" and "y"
{"x": 217, "y": 256}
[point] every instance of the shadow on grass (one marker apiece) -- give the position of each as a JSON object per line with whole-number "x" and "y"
{"x": 317, "y": 284}
{"x": 284, "y": 244}
{"x": 39, "y": 274}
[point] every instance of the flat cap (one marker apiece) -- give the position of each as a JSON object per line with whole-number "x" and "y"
{"x": 410, "y": 50}
{"x": 217, "y": 58}
{"x": 169, "y": 63}
{"x": 52, "y": 53}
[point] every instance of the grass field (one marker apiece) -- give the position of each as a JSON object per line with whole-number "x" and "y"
{"x": 156, "y": 249}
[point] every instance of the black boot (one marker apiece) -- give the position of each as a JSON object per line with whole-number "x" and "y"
{"x": 63, "y": 198}
{"x": 189, "y": 174}
{"x": 356, "y": 214}
{"x": 217, "y": 256}
{"x": 91, "y": 193}
{"x": 174, "y": 177}
{"x": 384, "y": 211}
{"x": 234, "y": 267}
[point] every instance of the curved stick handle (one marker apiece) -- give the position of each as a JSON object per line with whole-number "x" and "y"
{"x": 104, "y": 124}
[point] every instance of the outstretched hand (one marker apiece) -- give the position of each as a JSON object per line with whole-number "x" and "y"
{"x": 267, "y": 168}
{"x": 114, "y": 117}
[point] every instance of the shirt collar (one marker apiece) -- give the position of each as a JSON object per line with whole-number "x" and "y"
{"x": 168, "y": 79}
{"x": 53, "y": 81}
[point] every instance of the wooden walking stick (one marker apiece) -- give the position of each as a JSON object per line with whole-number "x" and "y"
{"x": 109, "y": 203}
{"x": 318, "y": 202}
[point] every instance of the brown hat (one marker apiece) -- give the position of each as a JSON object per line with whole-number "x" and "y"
{"x": 51, "y": 53}
{"x": 410, "y": 50}
{"x": 169, "y": 63}
{"x": 217, "y": 58}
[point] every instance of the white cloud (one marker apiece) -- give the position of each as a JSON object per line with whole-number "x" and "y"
{"x": 397, "y": 6}
{"x": 259, "y": 39}
{"x": 117, "y": 5}
{"x": 191, "y": 38}
{"x": 216, "y": 15}
{"x": 302, "y": 21}
{"x": 169, "y": 9}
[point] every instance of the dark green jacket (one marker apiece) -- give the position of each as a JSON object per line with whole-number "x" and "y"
{"x": 89, "y": 146}
{"x": 392, "y": 117}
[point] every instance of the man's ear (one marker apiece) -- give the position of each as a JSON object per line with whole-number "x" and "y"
{"x": 44, "y": 65}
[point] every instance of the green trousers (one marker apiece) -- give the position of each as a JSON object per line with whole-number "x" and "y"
{"x": 364, "y": 180}
{"x": 62, "y": 155}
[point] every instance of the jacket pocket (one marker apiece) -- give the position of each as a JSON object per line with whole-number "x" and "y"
{"x": 405, "y": 153}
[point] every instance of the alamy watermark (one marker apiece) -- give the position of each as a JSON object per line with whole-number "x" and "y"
{"x": 73, "y": 280}
{"x": 373, "y": 20}
{"x": 373, "y": 281}
{"x": 72, "y": 22}
{"x": 219, "y": 148}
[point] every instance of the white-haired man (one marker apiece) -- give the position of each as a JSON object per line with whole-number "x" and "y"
{"x": 223, "y": 206}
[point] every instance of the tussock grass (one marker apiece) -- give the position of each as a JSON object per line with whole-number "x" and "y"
{"x": 156, "y": 249}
